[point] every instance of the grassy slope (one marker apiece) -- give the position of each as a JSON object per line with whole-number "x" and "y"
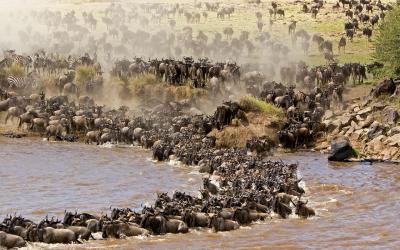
{"x": 328, "y": 23}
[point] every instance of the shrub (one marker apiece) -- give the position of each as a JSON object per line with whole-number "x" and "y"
{"x": 84, "y": 74}
{"x": 387, "y": 49}
{"x": 137, "y": 85}
{"x": 249, "y": 103}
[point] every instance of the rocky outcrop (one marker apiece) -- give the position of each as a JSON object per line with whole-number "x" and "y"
{"x": 372, "y": 128}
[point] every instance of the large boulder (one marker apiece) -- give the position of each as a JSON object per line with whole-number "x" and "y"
{"x": 390, "y": 115}
{"x": 341, "y": 150}
{"x": 393, "y": 140}
{"x": 386, "y": 86}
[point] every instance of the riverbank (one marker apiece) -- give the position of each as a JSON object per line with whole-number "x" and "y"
{"x": 371, "y": 123}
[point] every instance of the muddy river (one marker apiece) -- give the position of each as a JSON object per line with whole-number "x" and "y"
{"x": 357, "y": 205}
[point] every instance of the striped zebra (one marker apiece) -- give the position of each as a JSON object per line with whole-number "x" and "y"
{"x": 72, "y": 62}
{"x": 17, "y": 82}
{"x": 24, "y": 61}
{"x": 12, "y": 58}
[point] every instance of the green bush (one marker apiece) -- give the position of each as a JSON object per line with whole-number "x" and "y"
{"x": 249, "y": 103}
{"x": 387, "y": 49}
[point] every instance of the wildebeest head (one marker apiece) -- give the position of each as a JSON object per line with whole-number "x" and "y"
{"x": 68, "y": 218}
{"x": 241, "y": 215}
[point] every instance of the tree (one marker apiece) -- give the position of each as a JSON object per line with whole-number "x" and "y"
{"x": 387, "y": 49}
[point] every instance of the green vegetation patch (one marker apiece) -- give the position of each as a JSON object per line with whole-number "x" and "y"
{"x": 249, "y": 103}
{"x": 387, "y": 49}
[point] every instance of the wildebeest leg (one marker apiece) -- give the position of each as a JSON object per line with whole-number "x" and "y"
{"x": 7, "y": 116}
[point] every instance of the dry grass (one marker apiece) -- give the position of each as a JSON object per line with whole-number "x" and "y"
{"x": 84, "y": 74}
{"x": 148, "y": 85}
{"x": 237, "y": 136}
{"x": 14, "y": 70}
{"x": 138, "y": 84}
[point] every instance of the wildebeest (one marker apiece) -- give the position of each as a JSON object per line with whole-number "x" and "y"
{"x": 116, "y": 229}
{"x": 368, "y": 33}
{"x": 11, "y": 241}
{"x": 342, "y": 44}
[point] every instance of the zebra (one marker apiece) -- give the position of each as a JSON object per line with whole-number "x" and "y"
{"x": 17, "y": 82}
{"x": 72, "y": 62}
{"x": 13, "y": 58}
{"x": 6, "y": 62}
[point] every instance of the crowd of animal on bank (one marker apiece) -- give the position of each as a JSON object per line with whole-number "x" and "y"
{"x": 246, "y": 188}
{"x": 241, "y": 187}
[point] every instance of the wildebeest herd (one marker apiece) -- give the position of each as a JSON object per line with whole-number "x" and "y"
{"x": 112, "y": 32}
{"x": 178, "y": 72}
{"x": 241, "y": 187}
{"x": 246, "y": 187}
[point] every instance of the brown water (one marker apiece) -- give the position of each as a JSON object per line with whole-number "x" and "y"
{"x": 357, "y": 205}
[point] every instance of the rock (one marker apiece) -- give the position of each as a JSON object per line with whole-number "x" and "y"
{"x": 365, "y": 111}
{"x": 367, "y": 122}
{"x": 329, "y": 125}
{"x": 354, "y": 125}
{"x": 349, "y": 131}
{"x": 374, "y": 129}
{"x": 378, "y": 106}
{"x": 335, "y": 131}
{"x": 393, "y": 131}
{"x": 376, "y": 144}
{"x": 393, "y": 140}
{"x": 341, "y": 150}
{"x": 390, "y": 115}
{"x": 337, "y": 123}
{"x": 356, "y": 108}
{"x": 389, "y": 153}
{"x": 359, "y": 118}
{"x": 356, "y": 134}
{"x": 386, "y": 86}
{"x": 345, "y": 129}
{"x": 328, "y": 114}
{"x": 346, "y": 120}
{"x": 321, "y": 146}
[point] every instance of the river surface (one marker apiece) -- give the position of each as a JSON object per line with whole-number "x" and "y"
{"x": 357, "y": 204}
